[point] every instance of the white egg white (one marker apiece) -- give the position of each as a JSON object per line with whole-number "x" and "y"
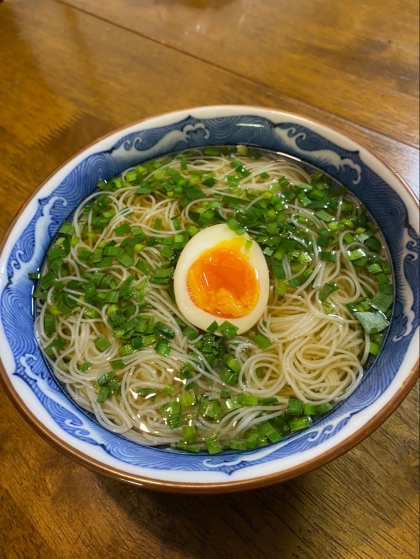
{"x": 202, "y": 241}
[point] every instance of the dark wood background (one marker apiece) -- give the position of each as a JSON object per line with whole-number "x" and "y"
{"x": 71, "y": 71}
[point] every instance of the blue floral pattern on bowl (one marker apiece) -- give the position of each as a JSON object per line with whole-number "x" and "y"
{"x": 54, "y": 204}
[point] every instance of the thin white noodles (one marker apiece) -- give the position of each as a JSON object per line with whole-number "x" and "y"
{"x": 315, "y": 355}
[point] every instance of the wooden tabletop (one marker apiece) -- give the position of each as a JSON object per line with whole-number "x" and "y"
{"x": 71, "y": 71}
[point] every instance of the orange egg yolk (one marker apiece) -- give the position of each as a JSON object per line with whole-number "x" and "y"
{"x": 222, "y": 282}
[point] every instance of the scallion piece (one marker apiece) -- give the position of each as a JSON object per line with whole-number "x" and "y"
{"x": 169, "y": 389}
{"x": 269, "y": 401}
{"x": 211, "y": 150}
{"x": 210, "y": 408}
{"x": 324, "y": 408}
{"x": 268, "y": 431}
{"x": 374, "y": 349}
{"x": 190, "y": 333}
{"x": 237, "y": 445}
{"x": 356, "y": 254}
{"x": 328, "y": 256}
{"x": 212, "y": 328}
{"x": 322, "y": 214}
{"x": 227, "y": 329}
{"x": 372, "y": 322}
{"x": 117, "y": 364}
{"x": 148, "y": 393}
{"x": 230, "y": 404}
{"x": 125, "y": 259}
{"x": 143, "y": 266}
{"x": 373, "y": 243}
{"x": 84, "y": 366}
{"x": 104, "y": 394}
{"x": 294, "y": 406}
{"x": 162, "y": 347}
{"x": 102, "y": 343}
{"x": 122, "y": 229}
{"x": 184, "y": 445}
{"x": 170, "y": 408}
{"x": 281, "y": 287}
{"x": 299, "y": 424}
{"x": 294, "y": 282}
{"x": 190, "y": 433}
{"x": 187, "y": 399}
{"x": 49, "y": 324}
{"x": 309, "y": 409}
{"x": 245, "y": 399}
{"x": 103, "y": 379}
{"x": 67, "y": 229}
{"x": 262, "y": 341}
{"x": 233, "y": 364}
{"x": 381, "y": 302}
{"x": 213, "y": 444}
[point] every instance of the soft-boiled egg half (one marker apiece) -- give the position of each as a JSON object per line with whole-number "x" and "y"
{"x": 221, "y": 276}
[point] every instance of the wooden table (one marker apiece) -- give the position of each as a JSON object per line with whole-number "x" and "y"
{"x": 71, "y": 71}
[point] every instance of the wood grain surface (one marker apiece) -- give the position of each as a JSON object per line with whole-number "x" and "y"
{"x": 73, "y": 71}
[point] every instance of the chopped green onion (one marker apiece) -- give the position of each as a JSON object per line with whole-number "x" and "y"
{"x": 386, "y": 288}
{"x": 227, "y": 329}
{"x": 321, "y": 214}
{"x": 233, "y": 364}
{"x": 268, "y": 430}
{"x": 374, "y": 349}
{"x": 281, "y": 287}
{"x": 355, "y": 254}
{"x": 49, "y": 324}
{"x": 169, "y": 389}
{"x": 328, "y": 256}
{"x": 212, "y": 328}
{"x": 373, "y": 243}
{"x": 122, "y": 229}
{"x": 295, "y": 406}
{"x": 57, "y": 345}
{"x": 124, "y": 259}
{"x": 324, "y": 408}
{"x": 187, "y": 399}
{"x": 211, "y": 150}
{"x": 170, "y": 408}
{"x": 101, "y": 343}
{"x": 190, "y": 433}
{"x": 299, "y": 280}
{"x": 372, "y": 322}
{"x": 104, "y": 394}
{"x": 210, "y": 408}
{"x": 102, "y": 380}
{"x": 213, "y": 444}
{"x": 191, "y": 333}
{"x": 309, "y": 409}
{"x": 269, "y": 401}
{"x": 299, "y": 424}
{"x": 246, "y": 399}
{"x": 381, "y": 302}
{"x": 230, "y": 404}
{"x": 148, "y": 393}
{"x": 162, "y": 347}
{"x": 117, "y": 364}
{"x": 262, "y": 341}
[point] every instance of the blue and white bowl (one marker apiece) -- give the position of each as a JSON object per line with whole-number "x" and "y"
{"x": 41, "y": 400}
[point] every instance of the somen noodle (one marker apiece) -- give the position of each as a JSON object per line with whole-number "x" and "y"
{"x": 110, "y": 327}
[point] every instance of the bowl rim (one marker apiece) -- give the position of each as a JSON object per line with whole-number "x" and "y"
{"x": 208, "y": 487}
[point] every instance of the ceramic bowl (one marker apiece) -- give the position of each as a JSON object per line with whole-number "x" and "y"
{"x": 47, "y": 408}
